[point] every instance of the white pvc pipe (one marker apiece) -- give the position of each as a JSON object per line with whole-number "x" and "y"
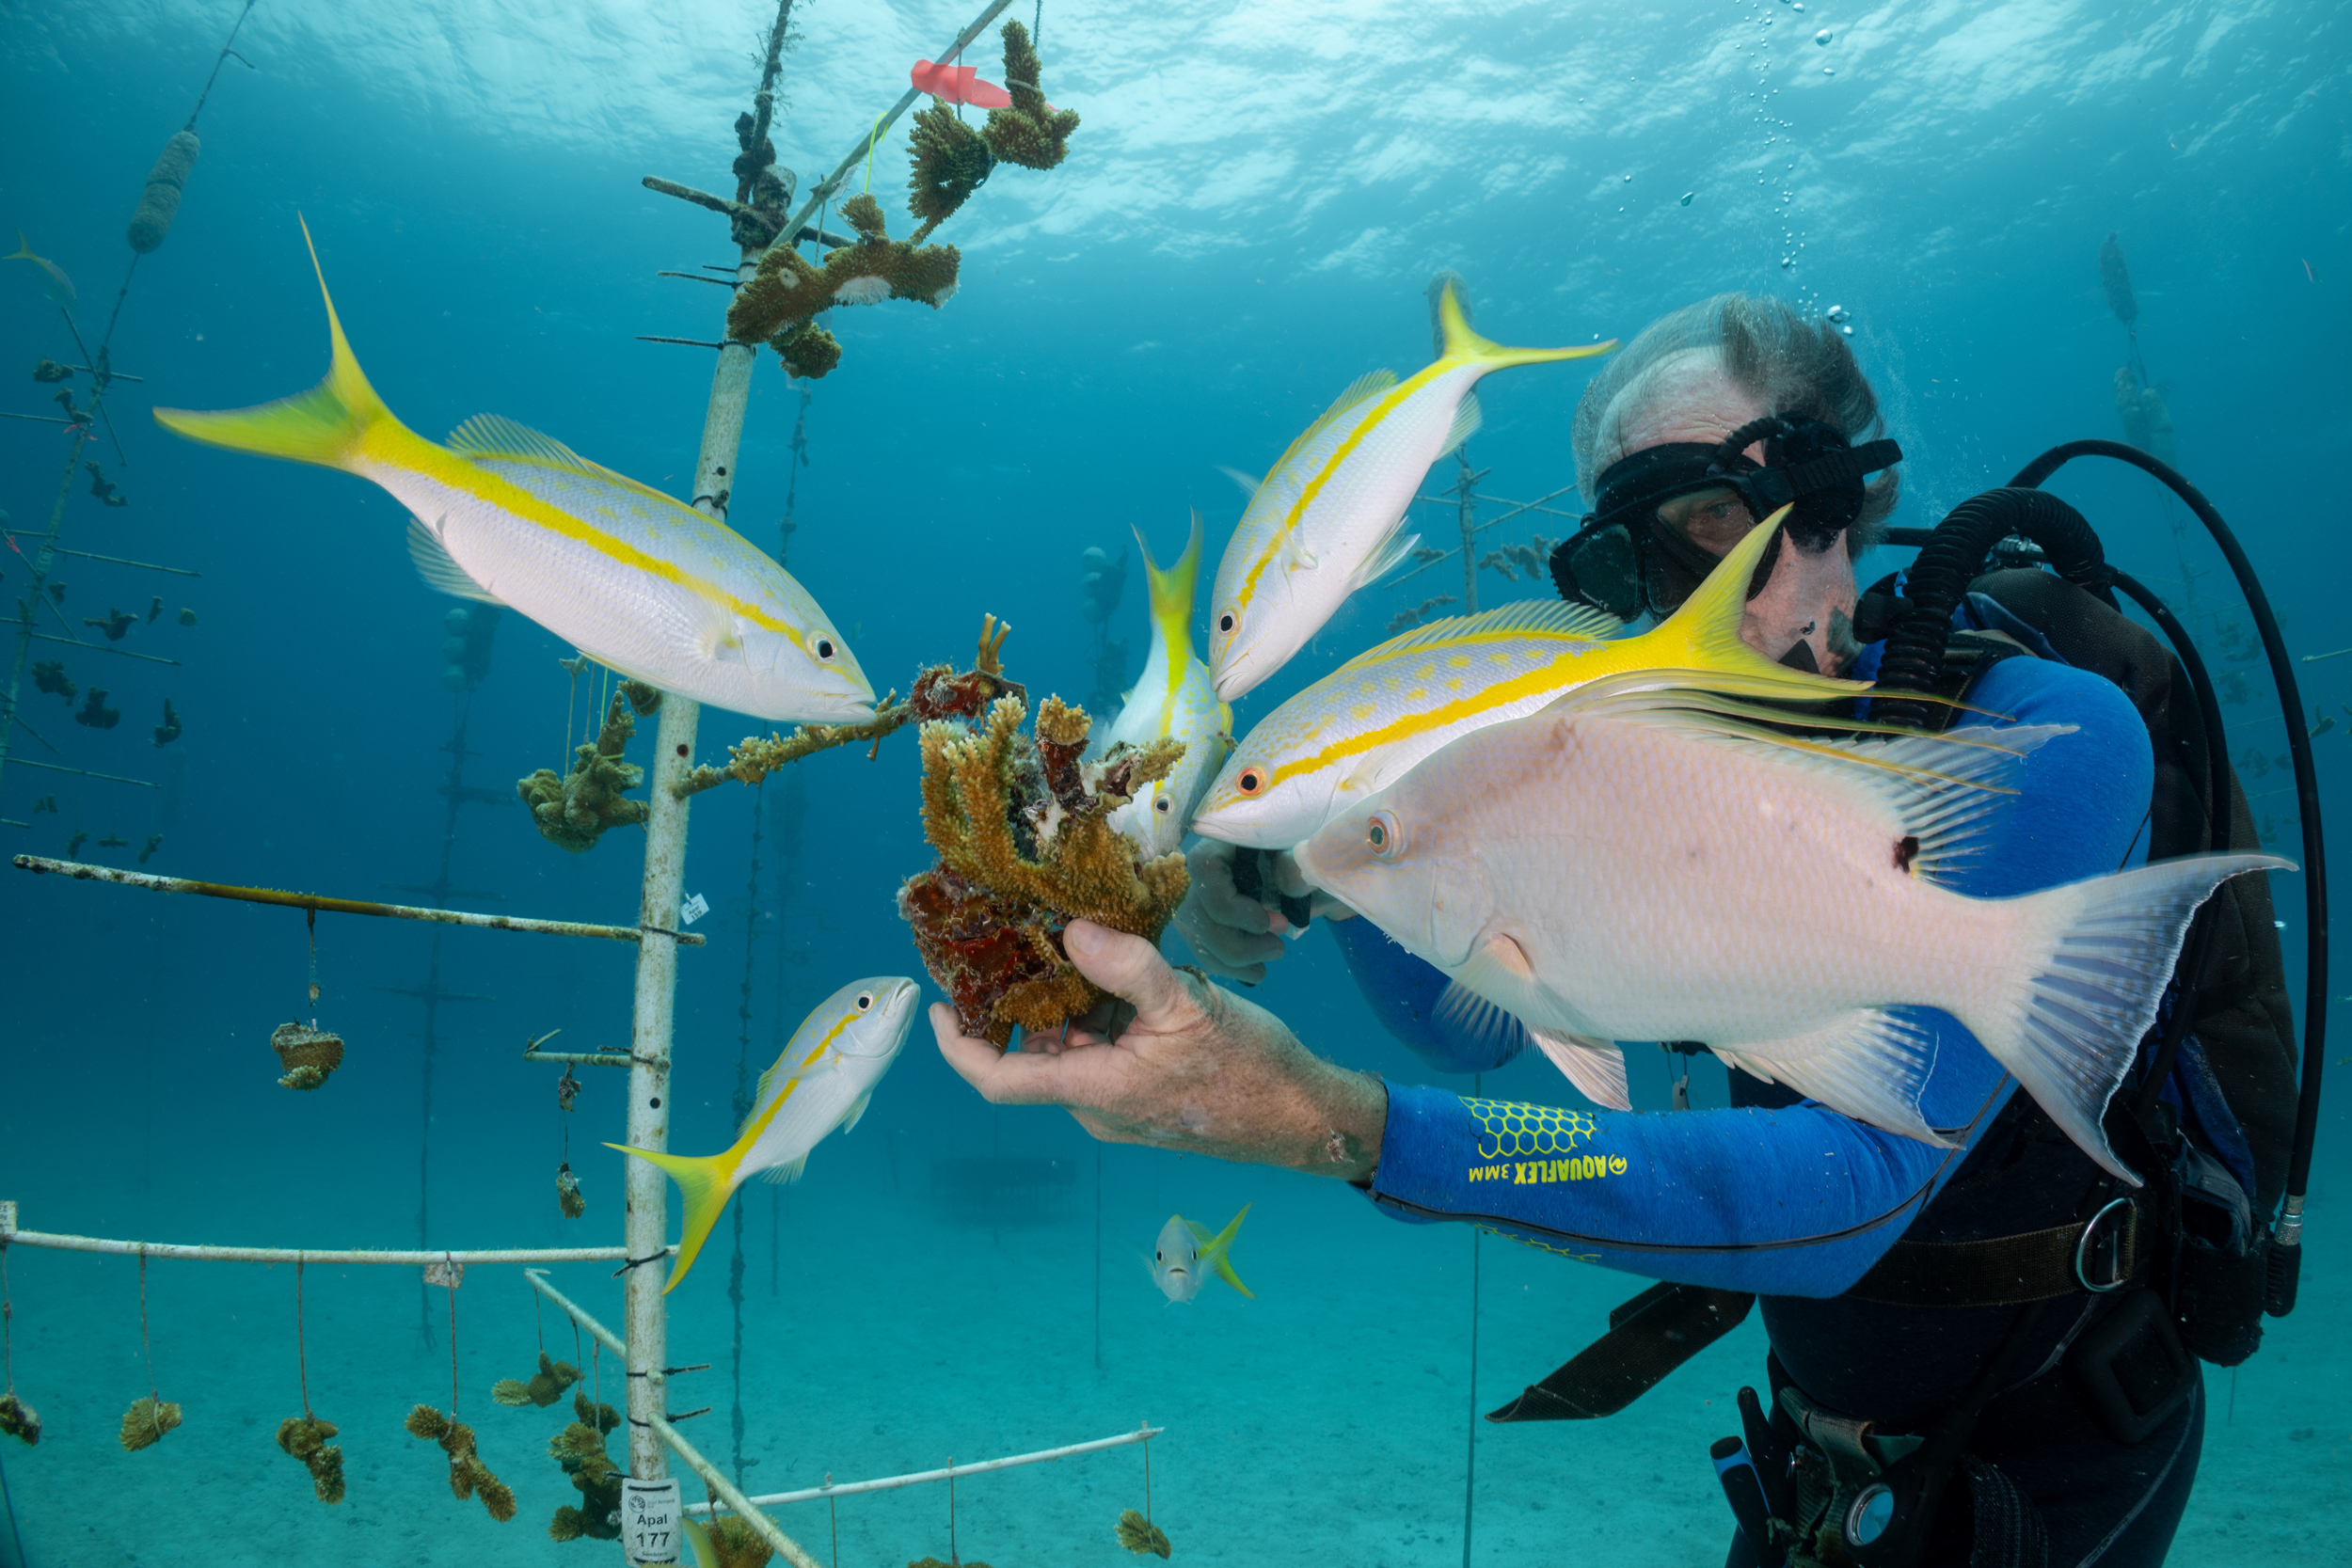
{"x": 777, "y": 1499}
{"x": 11, "y": 1236}
{"x": 723, "y": 1488}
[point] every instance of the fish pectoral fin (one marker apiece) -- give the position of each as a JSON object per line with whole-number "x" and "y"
{"x": 439, "y": 569}
{"x": 857, "y": 1112}
{"x": 1384, "y": 560}
{"x": 1596, "y": 1067}
{"x": 1467, "y": 417}
{"x": 1480, "y": 1023}
{"x": 1296, "y": 556}
{"x": 1870, "y": 1064}
{"x": 1249, "y": 486}
{"x": 785, "y": 1174}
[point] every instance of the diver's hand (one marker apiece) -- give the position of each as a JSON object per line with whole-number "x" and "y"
{"x": 1199, "y": 1070}
{"x": 1232, "y": 933}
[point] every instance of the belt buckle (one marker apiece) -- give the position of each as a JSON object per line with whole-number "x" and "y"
{"x": 2119, "y": 1269}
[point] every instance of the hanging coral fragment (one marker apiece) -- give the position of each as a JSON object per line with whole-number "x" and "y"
{"x": 1031, "y": 132}
{"x": 308, "y": 1055}
{"x": 305, "y": 1438}
{"x": 147, "y": 1420}
{"x": 573, "y": 811}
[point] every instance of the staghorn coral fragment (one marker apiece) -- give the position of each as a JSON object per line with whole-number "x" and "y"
{"x": 1025, "y": 846}
{"x": 511, "y": 1391}
{"x": 736, "y": 1545}
{"x": 17, "y": 1420}
{"x": 147, "y": 1420}
{"x": 788, "y": 291}
{"x": 468, "y": 1476}
{"x": 1140, "y": 1535}
{"x": 950, "y": 160}
{"x": 574, "y": 811}
{"x": 598, "y": 1418}
{"x": 309, "y": 1055}
{"x": 1032, "y": 132}
{"x": 578, "y": 1448}
{"x": 304, "y": 1437}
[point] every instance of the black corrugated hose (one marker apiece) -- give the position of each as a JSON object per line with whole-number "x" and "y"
{"x": 1955, "y": 554}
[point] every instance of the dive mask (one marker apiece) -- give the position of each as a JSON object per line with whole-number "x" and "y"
{"x": 1636, "y": 552}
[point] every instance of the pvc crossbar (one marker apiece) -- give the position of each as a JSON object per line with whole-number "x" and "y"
{"x": 885, "y": 1484}
{"x": 11, "y": 1236}
{"x": 82, "y": 871}
{"x": 722, "y": 1488}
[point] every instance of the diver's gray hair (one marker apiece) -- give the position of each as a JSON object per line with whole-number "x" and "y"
{"x": 1788, "y": 363}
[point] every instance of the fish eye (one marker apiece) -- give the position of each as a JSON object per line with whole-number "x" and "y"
{"x": 1385, "y": 834}
{"x": 865, "y": 1000}
{"x": 1251, "y": 782}
{"x": 1225, "y": 622}
{"x": 1161, "y": 805}
{"x": 824, "y": 647}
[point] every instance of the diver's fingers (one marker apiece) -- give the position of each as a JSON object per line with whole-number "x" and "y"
{"x": 1211, "y": 864}
{"x": 1222, "y": 949}
{"x": 1016, "y": 1078}
{"x": 1128, "y": 967}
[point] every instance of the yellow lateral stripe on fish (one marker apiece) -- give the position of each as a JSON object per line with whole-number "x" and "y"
{"x": 1328, "y": 519}
{"x": 635, "y": 578}
{"x": 1462, "y": 346}
{"x": 372, "y": 432}
{"x": 787, "y": 1124}
{"x": 1366, "y": 723}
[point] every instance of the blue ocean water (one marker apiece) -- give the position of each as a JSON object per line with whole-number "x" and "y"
{"x": 1253, "y": 207}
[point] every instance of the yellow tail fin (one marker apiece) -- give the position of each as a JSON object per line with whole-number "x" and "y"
{"x": 1171, "y": 591}
{"x": 24, "y": 251}
{"x": 1220, "y": 1249}
{"x": 326, "y": 425}
{"x": 705, "y": 1181}
{"x": 1463, "y": 343}
{"x": 1703, "y": 636}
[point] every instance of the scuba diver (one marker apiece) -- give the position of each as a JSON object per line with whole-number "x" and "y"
{"x": 1985, "y": 1354}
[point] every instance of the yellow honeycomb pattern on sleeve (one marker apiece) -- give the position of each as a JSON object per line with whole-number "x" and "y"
{"x": 1508, "y": 1131}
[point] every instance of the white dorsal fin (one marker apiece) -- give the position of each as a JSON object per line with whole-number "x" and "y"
{"x": 1938, "y": 788}
{"x": 1467, "y": 418}
{"x": 440, "y": 572}
{"x": 1596, "y": 1067}
{"x": 1571, "y": 623}
{"x": 1386, "y": 559}
{"x": 496, "y": 436}
{"x": 1249, "y": 486}
{"x": 1473, "y": 1019}
{"x": 1369, "y": 385}
{"x": 1870, "y": 1064}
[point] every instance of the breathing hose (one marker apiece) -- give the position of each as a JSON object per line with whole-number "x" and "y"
{"x": 1955, "y": 552}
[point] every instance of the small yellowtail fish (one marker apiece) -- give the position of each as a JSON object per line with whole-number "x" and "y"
{"x": 639, "y": 581}
{"x": 1637, "y": 863}
{"x": 1173, "y": 697}
{"x": 1324, "y": 521}
{"x": 52, "y": 280}
{"x": 1367, "y": 724}
{"x": 1186, "y": 1254}
{"x": 822, "y": 1081}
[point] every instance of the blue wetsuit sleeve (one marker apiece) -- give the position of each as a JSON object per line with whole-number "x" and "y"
{"x": 1798, "y": 1201}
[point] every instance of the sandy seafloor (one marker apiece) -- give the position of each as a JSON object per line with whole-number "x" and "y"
{"x": 1325, "y": 1421}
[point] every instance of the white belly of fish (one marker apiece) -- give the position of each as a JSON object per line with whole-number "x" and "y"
{"x": 624, "y": 617}
{"x": 1668, "y": 889}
